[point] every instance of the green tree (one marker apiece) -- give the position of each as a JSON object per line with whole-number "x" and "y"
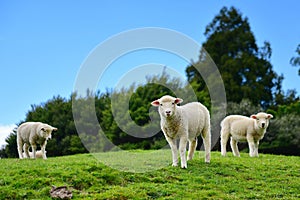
{"x": 91, "y": 121}
{"x": 10, "y": 150}
{"x": 245, "y": 107}
{"x": 295, "y": 61}
{"x": 283, "y": 135}
{"x": 132, "y": 122}
{"x": 245, "y": 68}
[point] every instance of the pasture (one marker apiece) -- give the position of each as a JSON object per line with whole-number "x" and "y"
{"x": 266, "y": 177}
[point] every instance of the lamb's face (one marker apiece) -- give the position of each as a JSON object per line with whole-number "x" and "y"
{"x": 167, "y": 105}
{"x": 167, "y": 108}
{"x": 46, "y": 132}
{"x": 262, "y": 119}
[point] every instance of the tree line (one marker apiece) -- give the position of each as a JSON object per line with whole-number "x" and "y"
{"x": 126, "y": 120}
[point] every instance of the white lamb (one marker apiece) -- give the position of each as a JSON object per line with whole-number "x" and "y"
{"x": 33, "y": 133}
{"x": 240, "y": 128}
{"x": 184, "y": 123}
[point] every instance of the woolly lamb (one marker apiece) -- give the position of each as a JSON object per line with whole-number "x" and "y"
{"x": 184, "y": 123}
{"x": 33, "y": 133}
{"x": 240, "y": 128}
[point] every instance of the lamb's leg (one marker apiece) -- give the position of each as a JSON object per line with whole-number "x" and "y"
{"x": 255, "y": 153}
{"x": 192, "y": 148}
{"x": 33, "y": 146}
{"x": 43, "y": 150}
{"x": 26, "y": 150}
{"x": 251, "y": 146}
{"x": 182, "y": 151}
{"x": 20, "y": 148}
{"x": 206, "y": 136}
{"x": 224, "y": 139}
{"x": 234, "y": 147}
{"x": 173, "y": 145}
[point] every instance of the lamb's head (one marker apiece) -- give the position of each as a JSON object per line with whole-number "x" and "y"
{"x": 166, "y": 105}
{"x": 262, "y": 119}
{"x": 46, "y": 131}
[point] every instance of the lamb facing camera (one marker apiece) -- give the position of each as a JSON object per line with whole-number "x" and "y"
{"x": 184, "y": 123}
{"x": 240, "y": 128}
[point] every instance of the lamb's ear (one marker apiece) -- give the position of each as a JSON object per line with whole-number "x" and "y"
{"x": 178, "y": 100}
{"x": 155, "y": 103}
{"x": 54, "y": 129}
{"x": 253, "y": 117}
{"x": 270, "y": 116}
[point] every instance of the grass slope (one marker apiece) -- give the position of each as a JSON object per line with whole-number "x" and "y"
{"x": 266, "y": 177}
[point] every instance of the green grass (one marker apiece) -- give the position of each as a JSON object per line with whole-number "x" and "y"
{"x": 266, "y": 177}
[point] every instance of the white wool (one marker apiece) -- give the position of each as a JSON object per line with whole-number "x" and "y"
{"x": 184, "y": 123}
{"x": 240, "y": 128}
{"x": 31, "y": 134}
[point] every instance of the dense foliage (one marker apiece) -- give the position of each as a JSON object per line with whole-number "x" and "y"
{"x": 295, "y": 61}
{"x": 125, "y": 119}
{"x": 245, "y": 68}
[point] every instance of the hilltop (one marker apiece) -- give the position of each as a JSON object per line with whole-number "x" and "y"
{"x": 266, "y": 177}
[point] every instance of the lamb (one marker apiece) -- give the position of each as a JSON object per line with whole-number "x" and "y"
{"x": 184, "y": 123}
{"x": 251, "y": 129}
{"x": 33, "y": 133}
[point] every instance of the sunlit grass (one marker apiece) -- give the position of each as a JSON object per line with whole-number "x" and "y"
{"x": 266, "y": 177}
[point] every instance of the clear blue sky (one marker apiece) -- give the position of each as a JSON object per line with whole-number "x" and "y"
{"x": 44, "y": 43}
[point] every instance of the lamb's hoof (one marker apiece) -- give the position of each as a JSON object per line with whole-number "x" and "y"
{"x": 184, "y": 166}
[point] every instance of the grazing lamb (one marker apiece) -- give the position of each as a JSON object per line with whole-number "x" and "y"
{"x": 184, "y": 123}
{"x": 240, "y": 128}
{"x": 33, "y": 133}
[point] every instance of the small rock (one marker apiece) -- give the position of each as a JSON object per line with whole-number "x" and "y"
{"x": 61, "y": 192}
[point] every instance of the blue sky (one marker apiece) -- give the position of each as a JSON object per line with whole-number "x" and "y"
{"x": 44, "y": 43}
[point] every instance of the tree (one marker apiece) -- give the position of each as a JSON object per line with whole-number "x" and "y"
{"x": 283, "y": 135}
{"x": 131, "y": 122}
{"x": 245, "y": 107}
{"x": 295, "y": 61}
{"x": 10, "y": 150}
{"x": 245, "y": 68}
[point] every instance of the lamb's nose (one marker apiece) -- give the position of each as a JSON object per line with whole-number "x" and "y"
{"x": 263, "y": 125}
{"x": 168, "y": 112}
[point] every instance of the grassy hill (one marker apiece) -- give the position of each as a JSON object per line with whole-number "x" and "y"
{"x": 266, "y": 177}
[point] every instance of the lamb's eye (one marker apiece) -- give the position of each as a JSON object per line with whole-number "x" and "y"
{"x": 173, "y": 103}
{"x": 161, "y": 104}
